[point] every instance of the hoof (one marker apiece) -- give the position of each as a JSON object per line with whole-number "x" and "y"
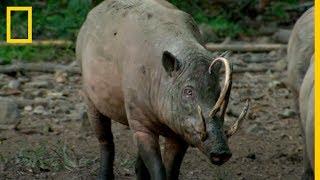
{"x": 308, "y": 175}
{"x": 104, "y": 176}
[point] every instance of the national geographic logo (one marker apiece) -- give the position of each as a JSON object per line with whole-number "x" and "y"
{"x": 29, "y": 37}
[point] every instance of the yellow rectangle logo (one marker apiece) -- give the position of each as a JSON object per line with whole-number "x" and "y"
{"x": 19, "y": 8}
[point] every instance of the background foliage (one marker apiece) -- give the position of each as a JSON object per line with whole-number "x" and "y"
{"x": 61, "y": 19}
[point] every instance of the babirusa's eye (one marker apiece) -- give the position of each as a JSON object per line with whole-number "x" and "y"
{"x": 188, "y": 92}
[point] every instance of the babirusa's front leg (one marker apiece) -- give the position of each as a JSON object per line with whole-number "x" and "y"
{"x": 174, "y": 152}
{"x": 149, "y": 151}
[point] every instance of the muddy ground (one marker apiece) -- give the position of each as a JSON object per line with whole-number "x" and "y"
{"x": 52, "y": 139}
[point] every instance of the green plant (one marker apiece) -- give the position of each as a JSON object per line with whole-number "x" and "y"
{"x": 32, "y": 53}
{"x": 128, "y": 163}
{"x": 51, "y": 20}
{"x": 233, "y": 18}
{"x": 62, "y": 19}
{"x": 43, "y": 158}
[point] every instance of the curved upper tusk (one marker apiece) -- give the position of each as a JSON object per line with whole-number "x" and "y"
{"x": 227, "y": 84}
{"x": 204, "y": 128}
{"x": 234, "y": 128}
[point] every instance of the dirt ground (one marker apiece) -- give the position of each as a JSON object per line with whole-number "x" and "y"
{"x": 53, "y": 139}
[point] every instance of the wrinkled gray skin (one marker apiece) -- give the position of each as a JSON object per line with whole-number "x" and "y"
{"x": 143, "y": 66}
{"x": 300, "y": 49}
{"x": 301, "y": 80}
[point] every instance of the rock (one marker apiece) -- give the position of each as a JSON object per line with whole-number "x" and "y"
{"x": 55, "y": 95}
{"x": 9, "y": 112}
{"x": 207, "y": 34}
{"x": 3, "y": 77}
{"x": 79, "y": 113}
{"x": 264, "y": 40}
{"x": 287, "y": 113}
{"x": 38, "y": 84}
{"x": 27, "y": 108}
{"x": 39, "y": 110}
{"x": 39, "y": 93}
{"x": 43, "y": 77}
{"x": 268, "y": 29}
{"x": 61, "y": 77}
{"x": 276, "y": 84}
{"x": 272, "y": 53}
{"x": 282, "y": 36}
{"x": 2, "y": 62}
{"x": 255, "y": 129}
{"x": 14, "y": 84}
{"x": 23, "y": 79}
{"x": 63, "y": 107}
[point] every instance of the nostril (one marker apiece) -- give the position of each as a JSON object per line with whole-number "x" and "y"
{"x": 215, "y": 159}
{"x": 220, "y": 158}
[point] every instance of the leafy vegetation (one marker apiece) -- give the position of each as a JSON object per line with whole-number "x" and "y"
{"x": 234, "y": 18}
{"x": 56, "y": 158}
{"x": 52, "y": 19}
{"x": 62, "y": 19}
{"x": 32, "y": 53}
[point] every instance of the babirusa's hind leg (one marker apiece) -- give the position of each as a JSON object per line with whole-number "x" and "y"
{"x": 102, "y": 127}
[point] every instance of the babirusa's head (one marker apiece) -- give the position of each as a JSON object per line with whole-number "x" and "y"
{"x": 198, "y": 103}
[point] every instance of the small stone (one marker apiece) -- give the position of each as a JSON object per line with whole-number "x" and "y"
{"x": 272, "y": 53}
{"x": 282, "y": 36}
{"x": 55, "y": 95}
{"x": 255, "y": 129}
{"x": 287, "y": 113}
{"x": 39, "y": 110}
{"x": 80, "y": 113}
{"x": 14, "y": 84}
{"x": 38, "y": 84}
{"x": 38, "y": 93}
{"x": 43, "y": 77}
{"x": 2, "y": 61}
{"x": 24, "y": 79}
{"x": 264, "y": 39}
{"x": 28, "y": 108}
{"x": 275, "y": 83}
{"x": 9, "y": 112}
{"x": 61, "y": 77}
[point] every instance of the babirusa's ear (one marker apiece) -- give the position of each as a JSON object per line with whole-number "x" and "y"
{"x": 170, "y": 63}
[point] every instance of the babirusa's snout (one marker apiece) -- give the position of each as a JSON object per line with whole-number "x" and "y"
{"x": 220, "y": 157}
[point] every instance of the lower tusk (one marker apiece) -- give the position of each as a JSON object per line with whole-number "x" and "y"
{"x": 203, "y": 122}
{"x": 235, "y": 127}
